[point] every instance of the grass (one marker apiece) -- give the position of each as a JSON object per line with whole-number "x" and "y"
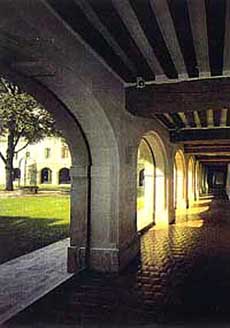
{"x": 31, "y": 222}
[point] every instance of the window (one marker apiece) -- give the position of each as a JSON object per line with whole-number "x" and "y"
{"x": 64, "y": 151}
{"x": 64, "y": 176}
{"x": 47, "y": 152}
{"x": 46, "y": 175}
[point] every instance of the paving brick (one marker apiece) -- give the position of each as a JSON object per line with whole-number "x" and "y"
{"x": 183, "y": 276}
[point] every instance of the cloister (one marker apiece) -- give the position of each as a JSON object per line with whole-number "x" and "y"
{"x": 140, "y": 91}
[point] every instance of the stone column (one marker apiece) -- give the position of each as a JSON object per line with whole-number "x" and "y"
{"x": 228, "y": 182}
{"x": 197, "y": 180}
{"x": 187, "y": 180}
{"x": 104, "y": 253}
{"x": 79, "y": 218}
{"x": 200, "y": 179}
{"x": 171, "y": 182}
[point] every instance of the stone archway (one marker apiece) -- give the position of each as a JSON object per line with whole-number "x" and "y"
{"x": 46, "y": 175}
{"x": 64, "y": 176}
{"x": 160, "y": 189}
{"x": 191, "y": 181}
{"x": 80, "y": 162}
{"x": 179, "y": 181}
{"x": 94, "y": 171}
{"x": 145, "y": 185}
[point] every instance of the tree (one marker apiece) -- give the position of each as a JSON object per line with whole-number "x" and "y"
{"x": 22, "y": 118}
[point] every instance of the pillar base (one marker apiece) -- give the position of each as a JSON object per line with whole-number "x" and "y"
{"x": 76, "y": 259}
{"x": 172, "y": 216}
{"x": 103, "y": 259}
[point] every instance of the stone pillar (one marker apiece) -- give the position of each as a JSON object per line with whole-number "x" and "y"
{"x": 171, "y": 208}
{"x": 187, "y": 180}
{"x": 197, "y": 179}
{"x": 206, "y": 180}
{"x": 79, "y": 218}
{"x": 228, "y": 182}
{"x": 104, "y": 253}
{"x": 200, "y": 179}
{"x": 203, "y": 179}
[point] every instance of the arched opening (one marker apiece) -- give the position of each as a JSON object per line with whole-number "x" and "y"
{"x": 77, "y": 212}
{"x": 145, "y": 185}
{"x": 95, "y": 169}
{"x": 64, "y": 176}
{"x": 46, "y": 175}
{"x": 153, "y": 174}
{"x": 179, "y": 181}
{"x": 191, "y": 181}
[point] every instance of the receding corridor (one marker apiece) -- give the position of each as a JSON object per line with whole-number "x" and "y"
{"x": 182, "y": 277}
{"x": 140, "y": 90}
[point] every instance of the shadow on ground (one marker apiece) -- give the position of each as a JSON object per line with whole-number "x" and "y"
{"x": 180, "y": 278}
{"x": 21, "y": 235}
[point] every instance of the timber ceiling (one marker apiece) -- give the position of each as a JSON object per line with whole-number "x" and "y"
{"x": 181, "y": 50}
{"x": 155, "y": 39}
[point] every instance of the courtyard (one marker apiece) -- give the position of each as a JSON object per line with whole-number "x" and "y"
{"x": 29, "y": 222}
{"x": 181, "y": 277}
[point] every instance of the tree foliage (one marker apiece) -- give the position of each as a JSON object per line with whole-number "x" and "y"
{"x": 22, "y": 118}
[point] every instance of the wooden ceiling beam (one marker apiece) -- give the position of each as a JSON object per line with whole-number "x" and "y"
{"x": 184, "y": 96}
{"x": 199, "y": 135}
{"x": 226, "y": 64}
{"x": 129, "y": 18}
{"x": 221, "y": 150}
{"x": 215, "y": 160}
{"x": 165, "y": 22}
{"x": 197, "y": 15}
{"x": 95, "y": 20}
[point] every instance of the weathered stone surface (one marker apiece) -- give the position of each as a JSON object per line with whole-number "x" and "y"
{"x": 182, "y": 276}
{"x": 29, "y": 277}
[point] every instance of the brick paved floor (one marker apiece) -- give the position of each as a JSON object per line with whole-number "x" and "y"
{"x": 182, "y": 277}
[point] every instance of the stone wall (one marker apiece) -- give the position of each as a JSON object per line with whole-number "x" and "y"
{"x": 94, "y": 97}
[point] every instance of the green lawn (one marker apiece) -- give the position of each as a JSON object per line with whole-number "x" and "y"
{"x": 30, "y": 222}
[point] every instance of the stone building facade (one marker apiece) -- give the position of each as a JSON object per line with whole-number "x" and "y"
{"x": 47, "y": 162}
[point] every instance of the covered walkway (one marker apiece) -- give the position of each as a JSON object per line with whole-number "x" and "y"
{"x": 29, "y": 277}
{"x": 182, "y": 277}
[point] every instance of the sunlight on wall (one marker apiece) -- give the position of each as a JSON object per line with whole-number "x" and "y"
{"x": 161, "y": 213}
{"x": 145, "y": 186}
{"x": 191, "y": 181}
{"x": 179, "y": 181}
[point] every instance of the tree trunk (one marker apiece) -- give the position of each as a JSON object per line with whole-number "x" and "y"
{"x": 9, "y": 162}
